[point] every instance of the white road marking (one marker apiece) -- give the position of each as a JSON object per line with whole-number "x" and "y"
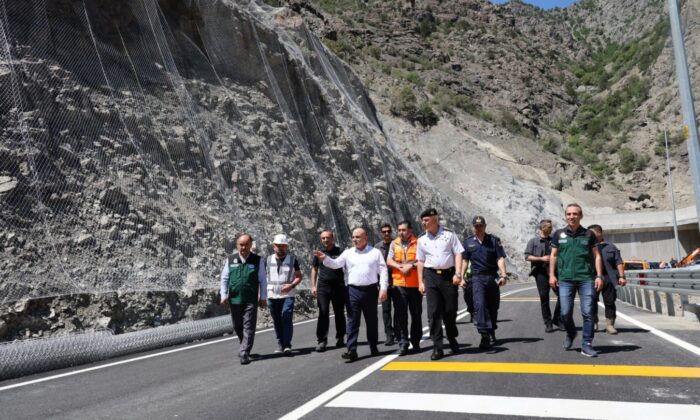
{"x": 515, "y": 406}
{"x": 677, "y": 341}
{"x": 341, "y": 387}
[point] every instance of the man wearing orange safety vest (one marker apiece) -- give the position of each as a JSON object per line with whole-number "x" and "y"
{"x": 401, "y": 259}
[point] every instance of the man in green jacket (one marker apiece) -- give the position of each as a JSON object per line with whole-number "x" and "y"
{"x": 244, "y": 286}
{"x": 575, "y": 266}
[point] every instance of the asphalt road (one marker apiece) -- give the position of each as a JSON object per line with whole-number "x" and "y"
{"x": 206, "y": 380}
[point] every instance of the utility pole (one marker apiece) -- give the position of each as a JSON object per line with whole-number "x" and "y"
{"x": 676, "y": 244}
{"x": 690, "y": 129}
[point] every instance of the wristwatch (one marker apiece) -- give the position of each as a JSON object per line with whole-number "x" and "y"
{"x": 599, "y": 277}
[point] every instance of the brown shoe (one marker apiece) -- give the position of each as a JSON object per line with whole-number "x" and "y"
{"x": 610, "y": 328}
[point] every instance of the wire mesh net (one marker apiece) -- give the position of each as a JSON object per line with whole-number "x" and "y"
{"x": 139, "y": 136}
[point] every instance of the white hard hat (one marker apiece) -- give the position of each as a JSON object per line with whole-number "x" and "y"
{"x": 280, "y": 239}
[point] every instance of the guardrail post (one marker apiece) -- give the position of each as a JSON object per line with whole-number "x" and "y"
{"x": 638, "y": 297}
{"x": 647, "y": 299}
{"x": 669, "y": 304}
{"x": 657, "y": 302}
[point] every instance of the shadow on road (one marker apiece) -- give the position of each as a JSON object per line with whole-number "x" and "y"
{"x": 616, "y": 349}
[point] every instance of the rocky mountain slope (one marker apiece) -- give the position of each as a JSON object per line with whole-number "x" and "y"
{"x": 137, "y": 138}
{"x": 591, "y": 86}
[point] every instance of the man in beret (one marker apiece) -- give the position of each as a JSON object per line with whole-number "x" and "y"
{"x": 439, "y": 260}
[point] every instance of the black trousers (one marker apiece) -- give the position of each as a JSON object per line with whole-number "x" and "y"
{"x": 408, "y": 300}
{"x": 389, "y": 328}
{"x": 442, "y": 304}
{"x": 362, "y": 300}
{"x": 609, "y": 293}
{"x": 542, "y": 280}
{"x": 327, "y": 294}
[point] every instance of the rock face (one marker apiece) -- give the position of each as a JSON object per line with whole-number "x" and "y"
{"x": 137, "y": 138}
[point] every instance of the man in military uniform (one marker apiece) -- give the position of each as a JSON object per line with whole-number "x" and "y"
{"x": 439, "y": 262}
{"x": 537, "y": 253}
{"x": 389, "y": 328}
{"x": 573, "y": 265}
{"x": 614, "y": 273}
{"x": 402, "y": 262}
{"x": 243, "y": 286}
{"x": 488, "y": 271}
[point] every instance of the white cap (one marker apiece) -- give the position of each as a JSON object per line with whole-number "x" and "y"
{"x": 280, "y": 239}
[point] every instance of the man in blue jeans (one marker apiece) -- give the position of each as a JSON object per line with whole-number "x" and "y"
{"x": 573, "y": 265}
{"x": 283, "y": 275}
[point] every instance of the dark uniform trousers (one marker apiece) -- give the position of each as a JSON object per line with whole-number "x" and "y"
{"x": 389, "y": 328}
{"x": 408, "y": 300}
{"x": 442, "y": 303}
{"x": 609, "y": 293}
{"x": 362, "y": 300}
{"x": 245, "y": 319}
{"x": 542, "y": 281}
{"x": 469, "y": 297}
{"x": 330, "y": 293}
{"x": 487, "y": 298}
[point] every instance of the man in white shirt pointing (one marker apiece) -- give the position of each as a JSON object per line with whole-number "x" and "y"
{"x": 363, "y": 264}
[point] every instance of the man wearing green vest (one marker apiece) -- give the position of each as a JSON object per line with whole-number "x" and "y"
{"x": 244, "y": 286}
{"x": 575, "y": 265}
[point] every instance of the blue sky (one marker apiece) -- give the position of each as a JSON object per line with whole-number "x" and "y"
{"x": 545, "y": 4}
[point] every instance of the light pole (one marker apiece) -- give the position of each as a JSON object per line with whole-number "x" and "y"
{"x": 676, "y": 244}
{"x": 691, "y": 129}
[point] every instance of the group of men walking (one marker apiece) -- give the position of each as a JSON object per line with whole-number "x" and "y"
{"x": 399, "y": 271}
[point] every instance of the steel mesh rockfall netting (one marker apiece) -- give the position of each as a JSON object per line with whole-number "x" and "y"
{"x": 32, "y": 356}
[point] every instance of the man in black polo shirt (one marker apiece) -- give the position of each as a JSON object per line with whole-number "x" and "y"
{"x": 574, "y": 263}
{"x": 389, "y": 327}
{"x": 613, "y": 269}
{"x": 537, "y": 253}
{"x": 328, "y": 285}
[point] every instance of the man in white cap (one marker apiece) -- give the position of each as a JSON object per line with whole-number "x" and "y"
{"x": 283, "y": 275}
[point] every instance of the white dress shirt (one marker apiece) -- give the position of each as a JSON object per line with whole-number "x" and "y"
{"x": 438, "y": 251}
{"x": 362, "y": 267}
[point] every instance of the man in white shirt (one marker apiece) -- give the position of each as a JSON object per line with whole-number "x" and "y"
{"x": 363, "y": 264}
{"x": 439, "y": 263}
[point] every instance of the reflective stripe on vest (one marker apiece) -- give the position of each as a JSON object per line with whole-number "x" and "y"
{"x": 276, "y": 279}
{"x": 401, "y": 257}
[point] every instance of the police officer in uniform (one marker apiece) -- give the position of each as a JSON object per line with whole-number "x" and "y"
{"x": 244, "y": 286}
{"x": 488, "y": 272}
{"x": 439, "y": 263}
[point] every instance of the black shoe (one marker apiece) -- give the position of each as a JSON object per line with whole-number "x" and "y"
{"x": 485, "y": 343}
{"x": 559, "y": 324}
{"x": 349, "y": 356}
{"x": 340, "y": 343}
{"x": 454, "y": 346}
{"x": 374, "y": 351}
{"x": 437, "y": 353}
{"x": 548, "y": 327}
{"x": 403, "y": 350}
{"x": 416, "y": 347}
{"x": 245, "y": 359}
{"x": 321, "y": 347}
{"x": 389, "y": 341}
{"x": 492, "y": 338}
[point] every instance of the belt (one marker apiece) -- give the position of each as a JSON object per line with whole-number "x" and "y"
{"x": 367, "y": 287}
{"x": 441, "y": 271}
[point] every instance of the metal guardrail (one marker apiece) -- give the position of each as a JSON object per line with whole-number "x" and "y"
{"x": 647, "y": 286}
